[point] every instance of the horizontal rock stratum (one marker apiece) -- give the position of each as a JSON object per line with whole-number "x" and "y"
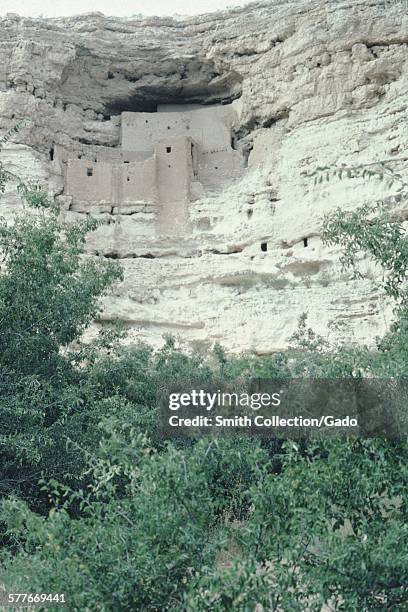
{"x": 234, "y": 259}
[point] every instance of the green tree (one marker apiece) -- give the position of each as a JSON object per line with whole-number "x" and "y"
{"x": 49, "y": 294}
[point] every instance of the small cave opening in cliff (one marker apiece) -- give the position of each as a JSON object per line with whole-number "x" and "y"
{"x": 264, "y": 247}
{"x": 305, "y": 242}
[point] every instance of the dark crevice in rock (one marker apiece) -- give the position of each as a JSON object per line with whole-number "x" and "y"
{"x": 116, "y": 255}
{"x": 147, "y": 100}
{"x": 230, "y": 252}
{"x": 248, "y": 53}
{"x": 257, "y": 123}
{"x": 86, "y": 141}
{"x": 269, "y": 122}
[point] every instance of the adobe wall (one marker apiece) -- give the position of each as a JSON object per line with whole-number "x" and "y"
{"x": 94, "y": 153}
{"x": 120, "y": 156}
{"x": 174, "y": 169}
{"x": 209, "y": 127}
{"x": 138, "y": 182}
{"x": 97, "y": 187}
{"x": 113, "y": 183}
{"x": 218, "y": 168}
{"x": 174, "y": 176}
{"x": 164, "y": 177}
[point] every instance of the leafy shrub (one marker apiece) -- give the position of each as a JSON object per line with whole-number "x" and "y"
{"x": 148, "y": 522}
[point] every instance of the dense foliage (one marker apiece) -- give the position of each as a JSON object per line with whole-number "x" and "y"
{"x": 97, "y": 505}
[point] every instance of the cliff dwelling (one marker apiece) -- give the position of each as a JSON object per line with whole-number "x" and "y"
{"x": 165, "y": 160}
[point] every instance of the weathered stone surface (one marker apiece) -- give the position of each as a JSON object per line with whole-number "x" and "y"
{"x": 315, "y": 83}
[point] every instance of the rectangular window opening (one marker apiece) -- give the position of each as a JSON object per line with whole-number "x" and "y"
{"x": 89, "y": 172}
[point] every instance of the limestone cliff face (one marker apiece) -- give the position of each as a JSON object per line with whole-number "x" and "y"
{"x": 311, "y": 83}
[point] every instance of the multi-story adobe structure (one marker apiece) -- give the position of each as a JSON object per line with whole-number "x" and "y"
{"x": 165, "y": 160}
